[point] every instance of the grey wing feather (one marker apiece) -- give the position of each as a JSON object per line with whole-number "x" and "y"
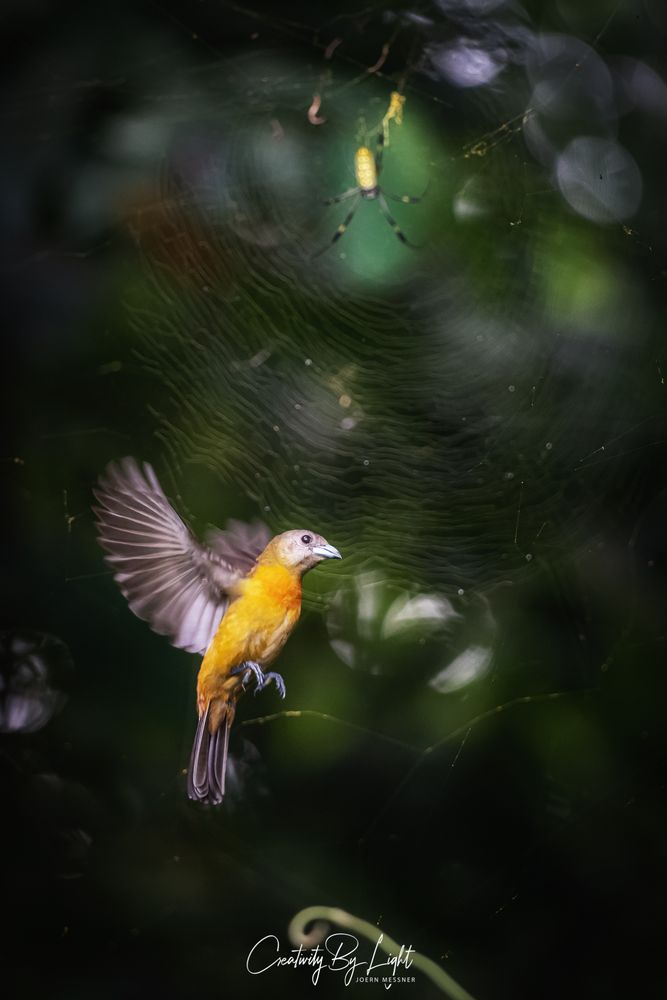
{"x": 169, "y": 579}
{"x": 240, "y": 543}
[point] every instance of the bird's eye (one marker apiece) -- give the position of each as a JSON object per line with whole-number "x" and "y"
{"x": 306, "y": 539}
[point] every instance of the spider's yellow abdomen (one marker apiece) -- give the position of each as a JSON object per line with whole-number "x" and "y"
{"x": 364, "y": 169}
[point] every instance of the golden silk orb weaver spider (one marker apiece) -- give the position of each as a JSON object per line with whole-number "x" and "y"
{"x": 367, "y": 168}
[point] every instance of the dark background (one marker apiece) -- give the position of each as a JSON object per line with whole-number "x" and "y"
{"x": 497, "y": 490}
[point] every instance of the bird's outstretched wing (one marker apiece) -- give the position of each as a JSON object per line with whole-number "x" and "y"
{"x": 240, "y": 543}
{"x": 178, "y": 585}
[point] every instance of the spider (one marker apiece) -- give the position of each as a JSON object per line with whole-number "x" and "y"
{"x": 367, "y": 170}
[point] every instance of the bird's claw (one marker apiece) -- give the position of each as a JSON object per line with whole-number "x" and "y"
{"x": 261, "y": 679}
{"x": 247, "y": 668}
{"x": 278, "y": 681}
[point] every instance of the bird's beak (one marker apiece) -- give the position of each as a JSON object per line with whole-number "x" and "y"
{"x": 326, "y": 551}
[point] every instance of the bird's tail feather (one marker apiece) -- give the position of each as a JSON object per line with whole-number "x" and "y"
{"x": 208, "y": 760}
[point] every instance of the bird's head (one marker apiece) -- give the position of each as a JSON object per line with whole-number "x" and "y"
{"x": 298, "y": 550}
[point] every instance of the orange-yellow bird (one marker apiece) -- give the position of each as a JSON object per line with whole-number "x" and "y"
{"x": 236, "y": 599}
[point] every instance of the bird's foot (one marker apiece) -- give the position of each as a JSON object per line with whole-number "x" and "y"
{"x": 250, "y": 668}
{"x": 278, "y": 681}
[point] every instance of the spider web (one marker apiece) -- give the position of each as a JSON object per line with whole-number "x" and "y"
{"x": 449, "y": 416}
{"x": 350, "y": 392}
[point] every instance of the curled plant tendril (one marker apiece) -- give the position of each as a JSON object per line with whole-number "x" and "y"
{"x": 322, "y": 916}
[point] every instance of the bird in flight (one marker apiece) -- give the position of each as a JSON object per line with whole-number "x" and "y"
{"x": 234, "y": 598}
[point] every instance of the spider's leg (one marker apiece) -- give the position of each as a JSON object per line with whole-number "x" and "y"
{"x": 393, "y": 223}
{"x": 379, "y": 152}
{"x": 408, "y": 199}
{"x": 341, "y": 197}
{"x": 339, "y": 232}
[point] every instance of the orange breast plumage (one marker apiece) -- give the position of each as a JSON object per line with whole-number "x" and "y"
{"x": 258, "y": 623}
